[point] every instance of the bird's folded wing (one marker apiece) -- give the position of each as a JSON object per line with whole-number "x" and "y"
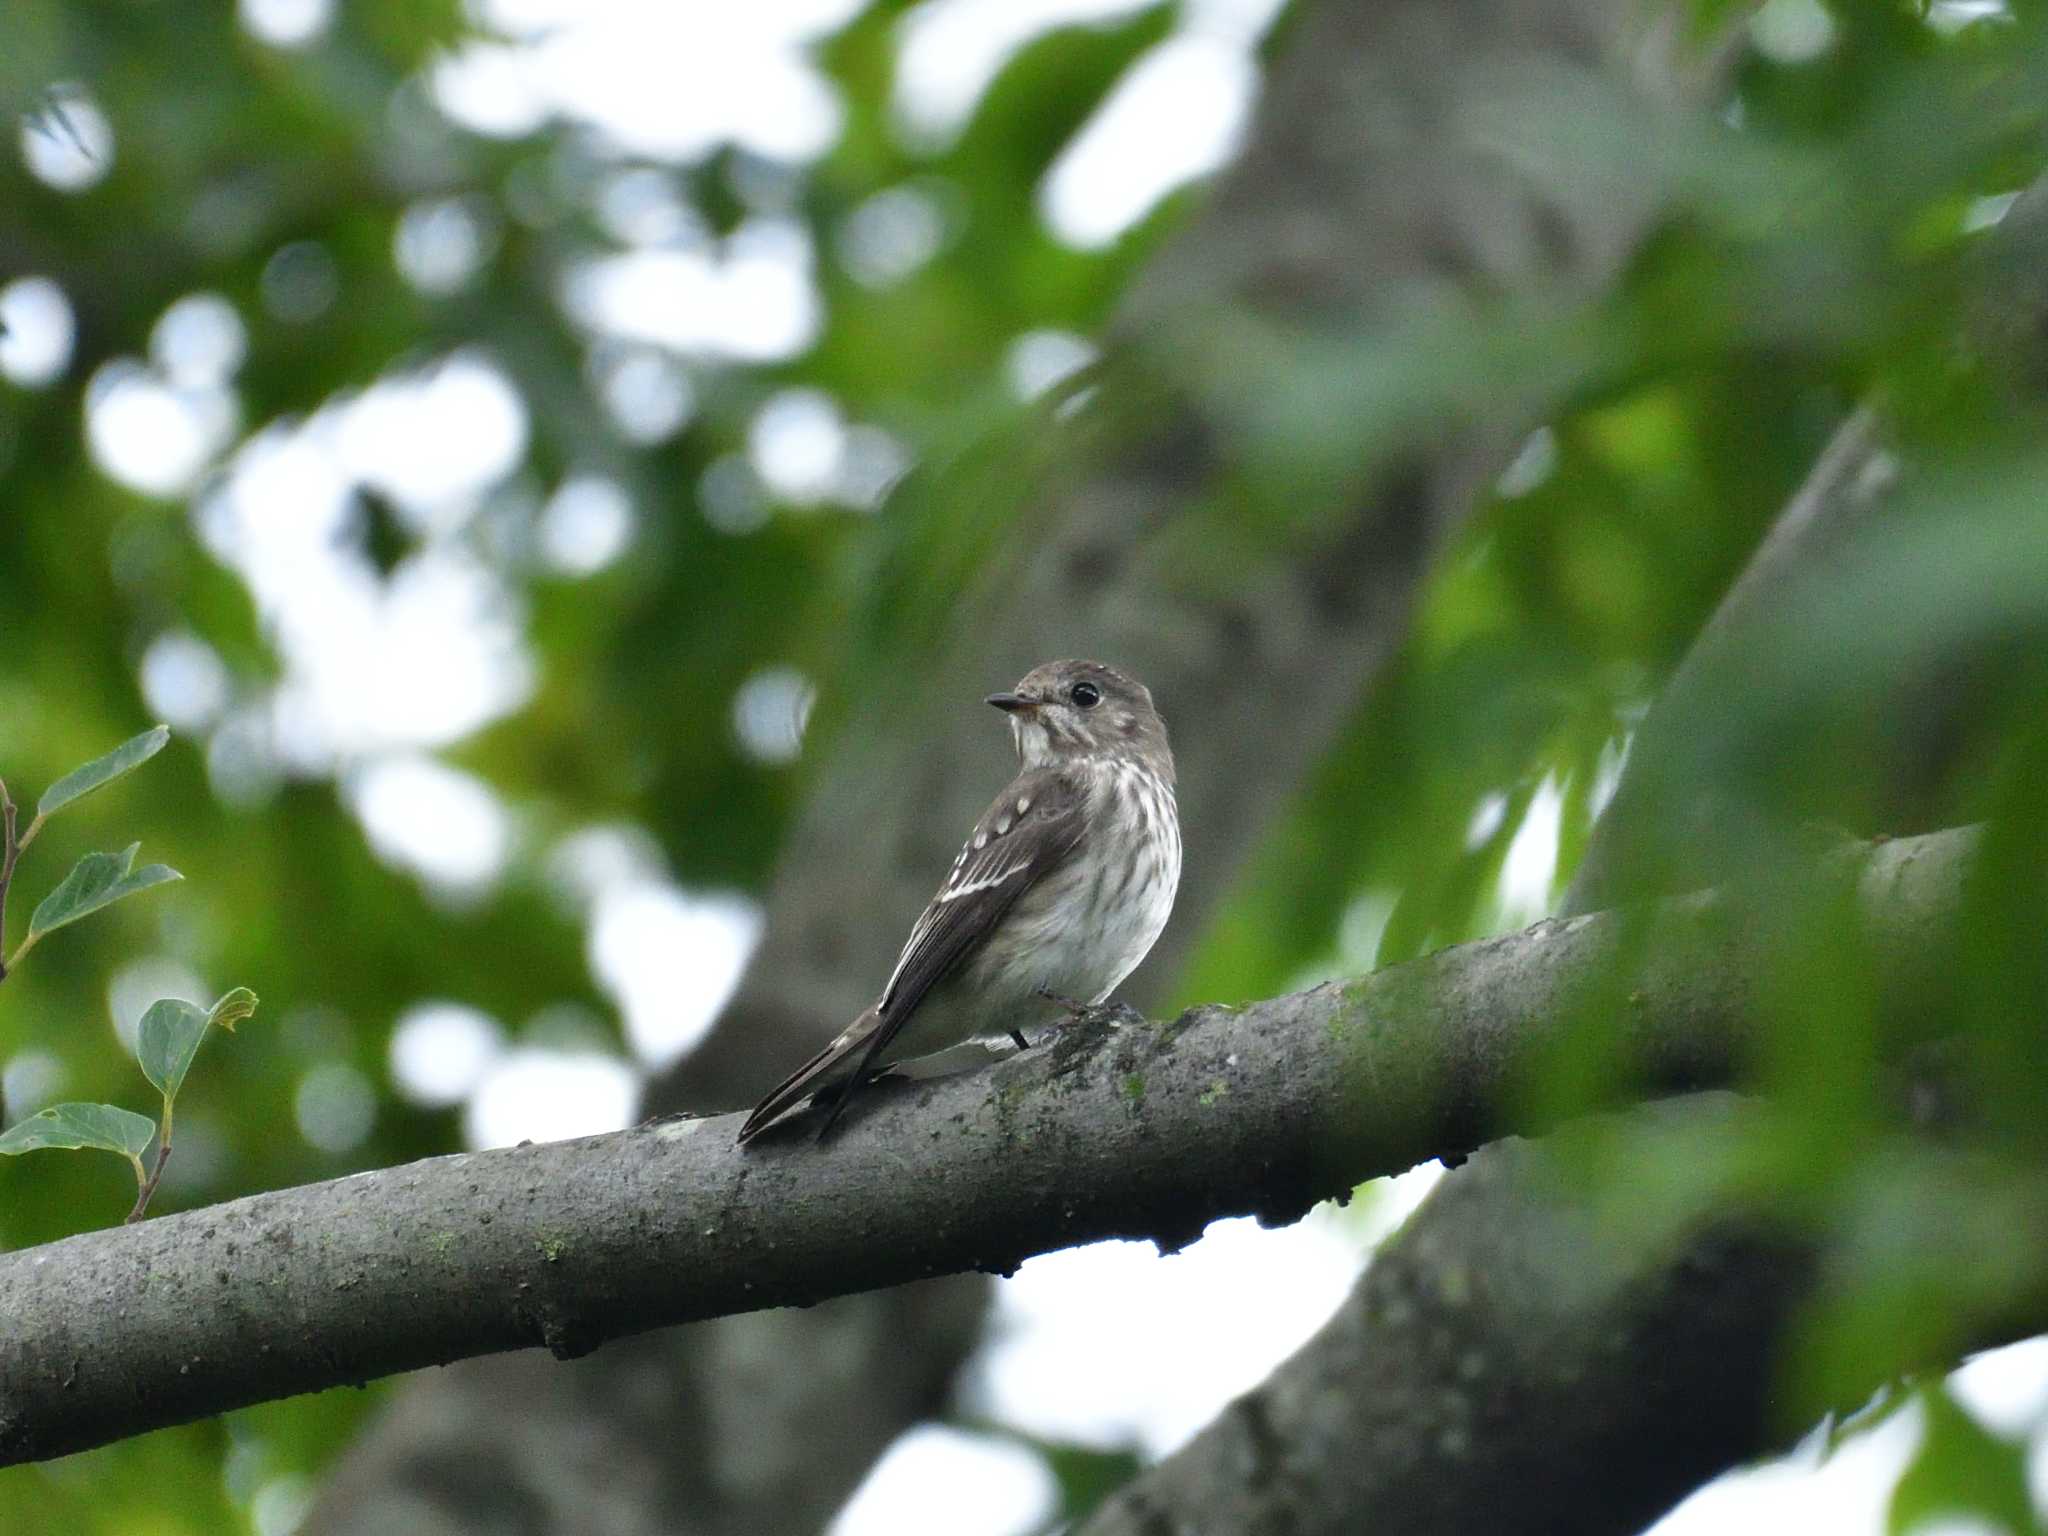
{"x": 1031, "y": 830}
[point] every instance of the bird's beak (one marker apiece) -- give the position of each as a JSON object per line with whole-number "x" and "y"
{"x": 1011, "y": 703}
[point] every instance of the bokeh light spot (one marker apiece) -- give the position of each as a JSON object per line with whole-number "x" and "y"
{"x": 66, "y": 141}
{"x": 646, "y": 394}
{"x": 550, "y": 1095}
{"x": 586, "y": 525}
{"x": 198, "y": 342}
{"x": 1176, "y": 115}
{"x": 890, "y": 235}
{"x": 436, "y": 821}
{"x": 30, "y": 1080}
{"x": 440, "y": 1051}
{"x": 670, "y": 959}
{"x": 184, "y": 680}
{"x": 1039, "y": 360}
{"x": 150, "y": 436}
{"x": 932, "y": 1467}
{"x": 335, "y": 1107}
{"x": 37, "y": 331}
{"x": 440, "y": 244}
{"x": 797, "y": 444}
{"x": 770, "y": 711}
{"x": 286, "y": 23}
{"x": 300, "y": 282}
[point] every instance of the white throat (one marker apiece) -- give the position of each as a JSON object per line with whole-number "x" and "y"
{"x": 1034, "y": 741}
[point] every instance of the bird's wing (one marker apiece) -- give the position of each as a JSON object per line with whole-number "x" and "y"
{"x": 1009, "y": 851}
{"x": 1032, "y": 829}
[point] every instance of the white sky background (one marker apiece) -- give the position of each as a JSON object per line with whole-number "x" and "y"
{"x": 1110, "y": 1344}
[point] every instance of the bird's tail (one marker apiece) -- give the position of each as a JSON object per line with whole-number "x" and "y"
{"x": 839, "y": 1065}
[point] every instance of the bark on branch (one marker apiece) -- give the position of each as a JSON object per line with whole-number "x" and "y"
{"x": 1145, "y": 1131}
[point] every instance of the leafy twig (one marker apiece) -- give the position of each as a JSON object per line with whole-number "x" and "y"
{"x": 170, "y": 1030}
{"x": 100, "y": 878}
{"x": 10, "y": 850}
{"x": 166, "y": 1040}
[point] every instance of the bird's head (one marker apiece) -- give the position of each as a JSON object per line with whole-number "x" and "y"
{"x": 1070, "y": 709}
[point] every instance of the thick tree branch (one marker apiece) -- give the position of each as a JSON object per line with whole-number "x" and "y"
{"x": 1147, "y": 1131}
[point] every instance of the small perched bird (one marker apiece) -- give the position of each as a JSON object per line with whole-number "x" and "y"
{"x": 1057, "y": 894}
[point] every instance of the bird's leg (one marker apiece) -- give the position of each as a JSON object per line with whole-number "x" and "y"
{"x": 1018, "y": 1036}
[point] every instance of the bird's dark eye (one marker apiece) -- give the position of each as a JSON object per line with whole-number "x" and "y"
{"x": 1087, "y": 695}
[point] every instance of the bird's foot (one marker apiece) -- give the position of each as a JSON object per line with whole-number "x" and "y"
{"x": 1097, "y": 1015}
{"x": 1074, "y": 1007}
{"x": 1085, "y": 1029}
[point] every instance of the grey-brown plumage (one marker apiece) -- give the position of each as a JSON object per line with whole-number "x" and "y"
{"x": 1059, "y": 891}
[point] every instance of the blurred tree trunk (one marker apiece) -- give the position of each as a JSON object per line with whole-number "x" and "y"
{"x": 1496, "y": 1369}
{"x": 1355, "y": 192}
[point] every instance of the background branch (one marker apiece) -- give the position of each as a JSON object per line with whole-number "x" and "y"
{"x": 1525, "y": 1359}
{"x": 10, "y": 850}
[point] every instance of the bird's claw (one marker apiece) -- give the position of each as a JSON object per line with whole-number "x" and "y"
{"x": 1074, "y": 1007}
{"x": 1098, "y": 1015}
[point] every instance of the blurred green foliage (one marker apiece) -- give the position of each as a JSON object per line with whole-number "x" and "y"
{"x": 1823, "y": 243}
{"x": 1962, "y": 1470}
{"x": 1830, "y": 242}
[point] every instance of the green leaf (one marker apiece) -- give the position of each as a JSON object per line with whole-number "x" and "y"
{"x": 80, "y": 782}
{"x": 97, "y": 880}
{"x": 1962, "y": 1469}
{"x": 235, "y": 1005}
{"x": 1088, "y": 1475}
{"x": 71, "y": 1126}
{"x": 170, "y": 1036}
{"x": 167, "y": 1040}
